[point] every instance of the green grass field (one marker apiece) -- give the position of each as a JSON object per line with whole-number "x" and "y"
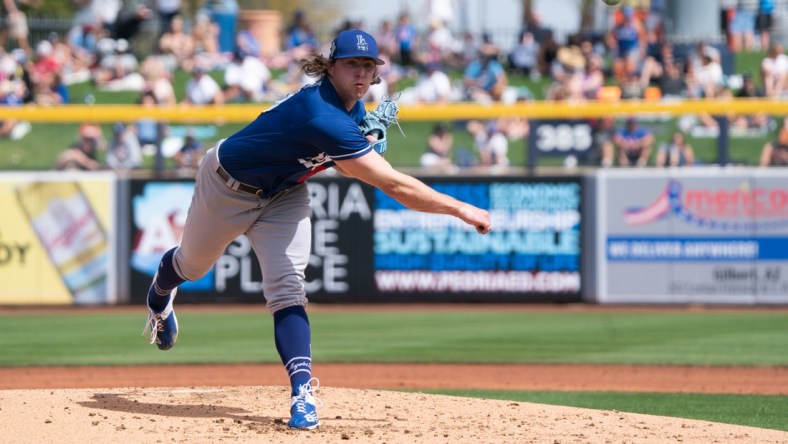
{"x": 715, "y": 338}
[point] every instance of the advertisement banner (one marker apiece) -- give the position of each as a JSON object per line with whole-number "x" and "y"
{"x": 366, "y": 247}
{"x": 693, "y": 236}
{"x": 55, "y": 247}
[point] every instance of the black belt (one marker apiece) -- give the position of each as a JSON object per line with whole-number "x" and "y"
{"x": 236, "y": 185}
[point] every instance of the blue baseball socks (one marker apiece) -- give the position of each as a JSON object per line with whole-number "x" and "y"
{"x": 164, "y": 282}
{"x": 293, "y": 342}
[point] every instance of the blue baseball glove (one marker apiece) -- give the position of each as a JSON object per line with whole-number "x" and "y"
{"x": 377, "y": 122}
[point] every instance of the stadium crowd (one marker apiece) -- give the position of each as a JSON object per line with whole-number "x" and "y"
{"x": 227, "y": 64}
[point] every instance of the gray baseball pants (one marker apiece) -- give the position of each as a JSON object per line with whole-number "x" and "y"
{"x": 278, "y": 228}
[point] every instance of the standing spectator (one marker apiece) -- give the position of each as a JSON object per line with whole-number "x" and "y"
{"x": 407, "y": 38}
{"x": 442, "y": 10}
{"x": 741, "y": 29}
{"x": 438, "y": 154}
{"x": 627, "y": 42}
{"x": 634, "y": 144}
{"x": 130, "y": 19}
{"x": 202, "y": 89}
{"x": 764, "y": 21}
{"x": 14, "y": 23}
{"x": 675, "y": 154}
{"x": 224, "y": 14}
{"x": 124, "y": 152}
{"x": 167, "y": 10}
{"x": 776, "y": 153}
{"x": 105, "y": 13}
{"x": 774, "y": 71}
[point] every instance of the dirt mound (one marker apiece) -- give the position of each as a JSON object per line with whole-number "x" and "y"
{"x": 259, "y": 414}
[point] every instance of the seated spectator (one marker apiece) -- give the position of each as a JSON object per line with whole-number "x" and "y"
{"x": 45, "y": 65}
{"x": 12, "y": 93}
{"x": 748, "y": 90}
{"x": 438, "y": 154}
{"x": 245, "y": 78}
{"x": 706, "y": 80}
{"x": 776, "y": 153}
{"x": 117, "y": 68}
{"x": 593, "y": 78}
{"x": 81, "y": 155}
{"x": 202, "y": 89}
{"x": 548, "y": 51}
{"x": 491, "y": 139}
{"x": 675, "y": 154}
{"x": 432, "y": 86}
{"x": 604, "y": 131}
{"x": 187, "y": 159}
{"x": 207, "y": 49}
{"x": 124, "y": 152}
{"x": 83, "y": 43}
{"x": 177, "y": 46}
{"x": 523, "y": 58}
{"x": 633, "y": 143}
{"x": 672, "y": 82}
{"x": 774, "y": 71}
{"x": 158, "y": 81}
{"x": 654, "y": 65}
{"x": 484, "y": 79}
{"x": 54, "y": 93}
{"x": 469, "y": 50}
{"x": 300, "y": 33}
{"x": 150, "y": 132}
{"x": 440, "y": 43}
{"x": 247, "y": 44}
{"x": 568, "y": 72}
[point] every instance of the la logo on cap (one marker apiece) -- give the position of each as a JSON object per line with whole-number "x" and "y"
{"x": 361, "y": 44}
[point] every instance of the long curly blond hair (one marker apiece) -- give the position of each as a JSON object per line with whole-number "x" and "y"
{"x": 316, "y": 65}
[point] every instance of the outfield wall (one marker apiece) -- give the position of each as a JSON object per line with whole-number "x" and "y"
{"x": 695, "y": 235}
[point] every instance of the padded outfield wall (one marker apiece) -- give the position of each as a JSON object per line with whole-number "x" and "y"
{"x": 695, "y": 235}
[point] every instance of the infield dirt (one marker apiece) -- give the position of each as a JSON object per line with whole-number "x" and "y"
{"x": 247, "y": 403}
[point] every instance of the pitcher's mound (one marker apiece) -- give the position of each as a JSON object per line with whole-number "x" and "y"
{"x": 259, "y": 414}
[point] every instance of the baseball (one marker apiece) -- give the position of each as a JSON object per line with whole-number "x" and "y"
{"x": 612, "y": 2}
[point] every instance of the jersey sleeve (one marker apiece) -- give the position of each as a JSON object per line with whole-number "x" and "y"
{"x": 340, "y": 138}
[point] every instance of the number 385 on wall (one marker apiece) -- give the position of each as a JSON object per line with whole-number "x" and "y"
{"x": 563, "y": 136}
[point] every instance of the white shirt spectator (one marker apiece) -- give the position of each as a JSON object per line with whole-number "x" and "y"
{"x": 774, "y": 69}
{"x": 250, "y": 76}
{"x": 434, "y": 86}
{"x": 202, "y": 89}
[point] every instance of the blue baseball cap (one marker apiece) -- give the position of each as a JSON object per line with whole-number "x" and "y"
{"x": 354, "y": 43}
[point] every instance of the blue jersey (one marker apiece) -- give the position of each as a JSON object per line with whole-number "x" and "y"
{"x": 294, "y": 139}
